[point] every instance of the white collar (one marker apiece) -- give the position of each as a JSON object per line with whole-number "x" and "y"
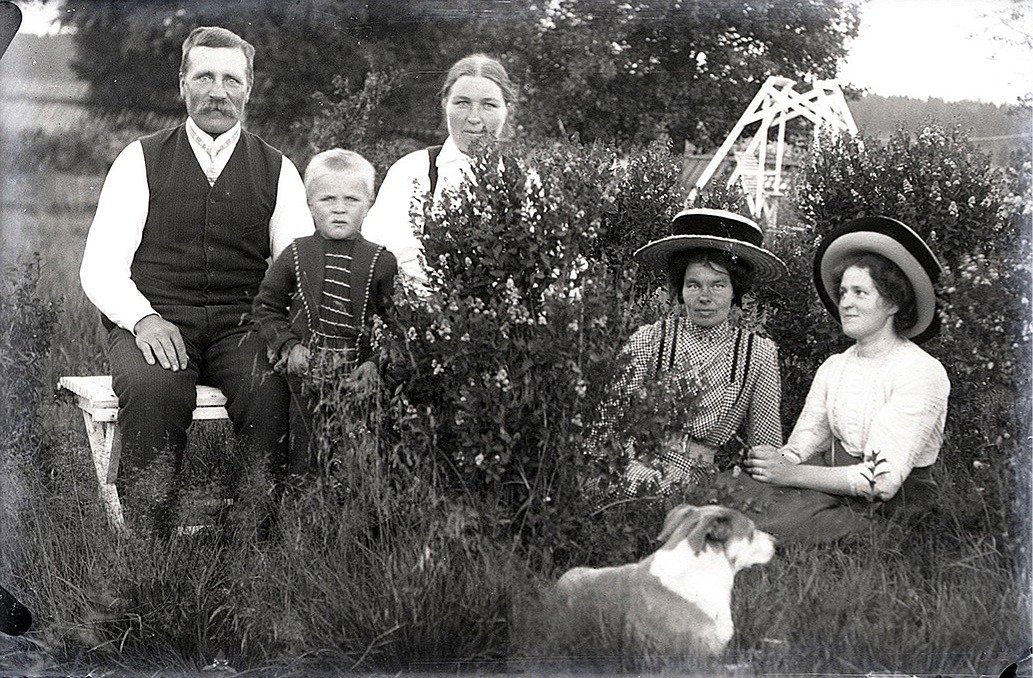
{"x": 211, "y": 146}
{"x": 450, "y": 153}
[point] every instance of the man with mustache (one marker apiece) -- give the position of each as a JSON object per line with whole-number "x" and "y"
{"x": 186, "y": 224}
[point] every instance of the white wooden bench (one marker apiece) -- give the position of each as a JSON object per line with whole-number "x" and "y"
{"x": 99, "y": 407}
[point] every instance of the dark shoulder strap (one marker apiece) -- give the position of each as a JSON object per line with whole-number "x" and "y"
{"x": 432, "y": 170}
{"x": 674, "y": 346}
{"x": 660, "y": 348}
{"x": 735, "y": 353}
{"x": 159, "y": 151}
{"x": 747, "y": 361}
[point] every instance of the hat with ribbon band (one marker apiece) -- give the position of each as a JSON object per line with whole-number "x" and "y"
{"x": 898, "y": 243}
{"x": 718, "y": 230}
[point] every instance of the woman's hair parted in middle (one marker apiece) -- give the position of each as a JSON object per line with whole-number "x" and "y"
{"x": 739, "y": 271}
{"x": 889, "y": 281}
{"x": 484, "y": 66}
{"x": 340, "y": 160}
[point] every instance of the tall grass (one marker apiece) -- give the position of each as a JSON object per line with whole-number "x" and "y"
{"x": 361, "y": 576}
{"x": 932, "y": 602}
{"x": 375, "y": 570}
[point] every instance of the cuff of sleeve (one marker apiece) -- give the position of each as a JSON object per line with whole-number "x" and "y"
{"x": 792, "y": 455}
{"x": 285, "y": 347}
{"x": 133, "y": 320}
{"x": 861, "y": 478}
{"x": 887, "y": 485}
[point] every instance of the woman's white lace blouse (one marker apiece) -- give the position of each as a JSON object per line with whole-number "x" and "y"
{"x": 891, "y": 408}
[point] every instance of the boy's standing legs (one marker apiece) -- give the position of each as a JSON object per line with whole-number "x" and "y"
{"x": 302, "y": 411}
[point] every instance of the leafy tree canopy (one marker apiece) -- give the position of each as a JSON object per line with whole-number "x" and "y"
{"x": 635, "y": 71}
{"x": 600, "y": 69}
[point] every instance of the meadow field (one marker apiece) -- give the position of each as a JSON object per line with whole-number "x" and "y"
{"x": 379, "y": 569}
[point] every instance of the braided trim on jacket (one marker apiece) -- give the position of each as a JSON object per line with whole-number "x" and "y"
{"x": 300, "y": 290}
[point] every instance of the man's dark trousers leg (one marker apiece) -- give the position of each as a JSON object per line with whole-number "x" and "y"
{"x": 156, "y": 406}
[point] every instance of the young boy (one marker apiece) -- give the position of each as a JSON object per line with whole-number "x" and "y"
{"x": 315, "y": 306}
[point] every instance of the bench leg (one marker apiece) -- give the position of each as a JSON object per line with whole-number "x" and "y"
{"x": 105, "y": 448}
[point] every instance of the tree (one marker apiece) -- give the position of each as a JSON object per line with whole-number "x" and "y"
{"x": 684, "y": 69}
{"x": 600, "y": 69}
{"x": 129, "y": 52}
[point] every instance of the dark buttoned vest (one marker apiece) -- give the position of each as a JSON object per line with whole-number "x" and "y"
{"x": 205, "y": 245}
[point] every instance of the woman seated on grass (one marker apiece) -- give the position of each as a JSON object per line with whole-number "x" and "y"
{"x": 723, "y": 379}
{"x": 872, "y": 424}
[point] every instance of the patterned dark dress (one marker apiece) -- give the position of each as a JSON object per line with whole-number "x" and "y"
{"x": 735, "y": 384}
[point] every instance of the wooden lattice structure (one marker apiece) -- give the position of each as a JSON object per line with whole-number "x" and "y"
{"x": 764, "y": 179}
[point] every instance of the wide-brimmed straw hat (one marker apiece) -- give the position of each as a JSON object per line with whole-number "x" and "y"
{"x": 719, "y": 230}
{"x": 898, "y": 243}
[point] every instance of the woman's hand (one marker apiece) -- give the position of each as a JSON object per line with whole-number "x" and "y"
{"x": 767, "y": 464}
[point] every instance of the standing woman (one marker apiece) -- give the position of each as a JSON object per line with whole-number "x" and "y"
{"x": 712, "y": 259}
{"x": 872, "y": 425}
{"x": 476, "y": 99}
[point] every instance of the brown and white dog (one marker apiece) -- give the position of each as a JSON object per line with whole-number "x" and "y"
{"x": 676, "y": 603}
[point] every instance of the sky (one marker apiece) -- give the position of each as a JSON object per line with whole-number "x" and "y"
{"x": 951, "y": 49}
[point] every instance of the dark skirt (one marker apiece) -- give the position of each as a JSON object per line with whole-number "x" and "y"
{"x": 810, "y": 516}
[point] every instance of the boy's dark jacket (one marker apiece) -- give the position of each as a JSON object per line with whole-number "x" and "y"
{"x": 286, "y": 308}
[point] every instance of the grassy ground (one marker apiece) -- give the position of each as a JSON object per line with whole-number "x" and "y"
{"x": 382, "y": 574}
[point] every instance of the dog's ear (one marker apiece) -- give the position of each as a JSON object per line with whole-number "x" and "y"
{"x": 715, "y": 528}
{"x": 675, "y": 518}
{"x": 719, "y": 528}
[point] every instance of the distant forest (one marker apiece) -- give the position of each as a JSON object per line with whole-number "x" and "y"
{"x": 997, "y": 129}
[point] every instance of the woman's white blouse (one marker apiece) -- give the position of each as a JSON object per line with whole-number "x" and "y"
{"x": 891, "y": 408}
{"x": 390, "y": 221}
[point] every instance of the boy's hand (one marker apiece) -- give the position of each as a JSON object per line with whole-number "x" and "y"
{"x": 364, "y": 379}
{"x": 297, "y": 360}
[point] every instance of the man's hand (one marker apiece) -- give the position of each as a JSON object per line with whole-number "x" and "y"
{"x": 160, "y": 341}
{"x": 364, "y": 379}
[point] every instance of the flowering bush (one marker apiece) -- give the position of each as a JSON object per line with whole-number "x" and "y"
{"x": 500, "y": 372}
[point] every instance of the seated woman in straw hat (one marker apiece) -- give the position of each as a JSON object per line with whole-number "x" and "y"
{"x": 872, "y": 424}
{"x": 711, "y": 260}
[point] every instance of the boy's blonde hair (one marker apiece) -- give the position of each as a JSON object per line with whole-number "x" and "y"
{"x": 340, "y": 160}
